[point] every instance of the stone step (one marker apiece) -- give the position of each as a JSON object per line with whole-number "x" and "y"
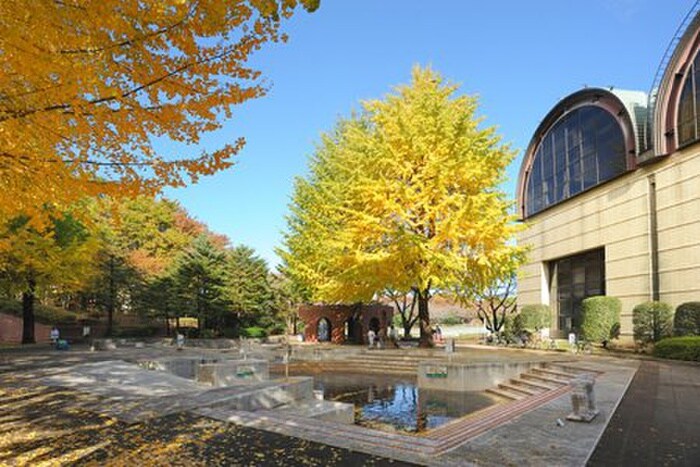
{"x": 543, "y": 378}
{"x": 370, "y": 357}
{"x": 532, "y": 384}
{"x": 522, "y": 389}
{"x": 373, "y": 363}
{"x": 506, "y": 394}
{"x": 384, "y": 362}
{"x": 349, "y": 368}
{"x": 558, "y": 374}
{"x": 573, "y": 370}
{"x": 355, "y": 368}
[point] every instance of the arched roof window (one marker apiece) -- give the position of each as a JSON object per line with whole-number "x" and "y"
{"x": 582, "y": 149}
{"x": 688, "y": 119}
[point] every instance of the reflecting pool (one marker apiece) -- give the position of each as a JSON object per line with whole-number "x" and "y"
{"x": 396, "y": 403}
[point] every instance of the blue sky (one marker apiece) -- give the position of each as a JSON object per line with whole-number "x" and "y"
{"x": 520, "y": 57}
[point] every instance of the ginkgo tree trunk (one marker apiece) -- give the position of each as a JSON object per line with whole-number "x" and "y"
{"x": 405, "y": 195}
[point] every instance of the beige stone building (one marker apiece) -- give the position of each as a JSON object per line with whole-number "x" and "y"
{"x": 610, "y": 190}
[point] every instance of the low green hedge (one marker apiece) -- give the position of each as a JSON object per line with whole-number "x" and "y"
{"x": 254, "y": 331}
{"x": 679, "y": 348}
{"x": 600, "y": 318}
{"x": 686, "y": 321}
{"x": 42, "y": 314}
{"x": 532, "y": 318}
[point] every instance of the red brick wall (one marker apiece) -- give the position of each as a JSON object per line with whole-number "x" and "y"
{"x": 11, "y": 330}
{"x": 339, "y": 314}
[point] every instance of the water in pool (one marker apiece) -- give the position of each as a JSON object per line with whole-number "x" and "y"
{"x": 396, "y": 403}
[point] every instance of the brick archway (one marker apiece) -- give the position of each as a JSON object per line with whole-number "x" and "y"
{"x": 338, "y": 316}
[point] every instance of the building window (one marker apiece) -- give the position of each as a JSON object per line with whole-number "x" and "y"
{"x": 689, "y": 104}
{"x": 576, "y": 277}
{"x": 583, "y": 149}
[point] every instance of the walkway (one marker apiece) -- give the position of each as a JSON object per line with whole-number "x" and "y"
{"x": 658, "y": 421}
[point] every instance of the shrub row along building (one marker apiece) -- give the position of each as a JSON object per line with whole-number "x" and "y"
{"x": 610, "y": 189}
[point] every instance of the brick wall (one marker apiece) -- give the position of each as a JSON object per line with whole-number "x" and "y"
{"x": 11, "y": 330}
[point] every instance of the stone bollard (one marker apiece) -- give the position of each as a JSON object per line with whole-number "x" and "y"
{"x": 104, "y": 344}
{"x": 583, "y": 399}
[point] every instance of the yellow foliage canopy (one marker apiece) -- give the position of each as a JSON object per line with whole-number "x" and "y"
{"x": 85, "y": 87}
{"x": 404, "y": 196}
{"x": 60, "y": 256}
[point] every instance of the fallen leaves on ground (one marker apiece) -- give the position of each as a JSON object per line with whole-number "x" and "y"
{"x": 49, "y": 426}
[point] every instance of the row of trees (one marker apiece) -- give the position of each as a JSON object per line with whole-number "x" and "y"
{"x": 404, "y": 197}
{"x": 145, "y": 257}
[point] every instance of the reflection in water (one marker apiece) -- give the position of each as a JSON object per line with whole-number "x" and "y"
{"x": 397, "y": 403}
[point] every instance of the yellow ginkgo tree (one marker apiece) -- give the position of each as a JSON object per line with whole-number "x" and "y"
{"x": 60, "y": 255}
{"x": 87, "y": 86}
{"x": 403, "y": 195}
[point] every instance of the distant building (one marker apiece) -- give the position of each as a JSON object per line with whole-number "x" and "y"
{"x": 610, "y": 189}
{"x": 342, "y": 324}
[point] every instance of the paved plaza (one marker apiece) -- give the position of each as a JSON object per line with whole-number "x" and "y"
{"x": 89, "y": 408}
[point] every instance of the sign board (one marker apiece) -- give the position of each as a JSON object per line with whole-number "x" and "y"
{"x": 245, "y": 372}
{"x": 185, "y": 322}
{"x": 436, "y": 371}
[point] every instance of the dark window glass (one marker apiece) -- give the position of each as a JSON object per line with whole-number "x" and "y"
{"x": 696, "y": 83}
{"x": 575, "y": 176}
{"x": 578, "y": 277}
{"x": 686, "y": 113}
{"x": 584, "y": 148}
{"x": 590, "y": 171}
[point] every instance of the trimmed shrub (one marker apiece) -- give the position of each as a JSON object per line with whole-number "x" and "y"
{"x": 42, "y": 313}
{"x": 679, "y": 348}
{"x": 600, "y": 318}
{"x": 254, "y": 331}
{"x": 686, "y": 321}
{"x": 652, "y": 321}
{"x": 532, "y": 318}
{"x": 451, "y": 319}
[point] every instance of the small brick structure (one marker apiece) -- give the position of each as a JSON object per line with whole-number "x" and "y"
{"x": 342, "y": 324}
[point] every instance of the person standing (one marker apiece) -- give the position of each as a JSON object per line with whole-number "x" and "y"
{"x": 393, "y": 337}
{"x": 55, "y": 335}
{"x": 371, "y": 335}
{"x": 438, "y": 334}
